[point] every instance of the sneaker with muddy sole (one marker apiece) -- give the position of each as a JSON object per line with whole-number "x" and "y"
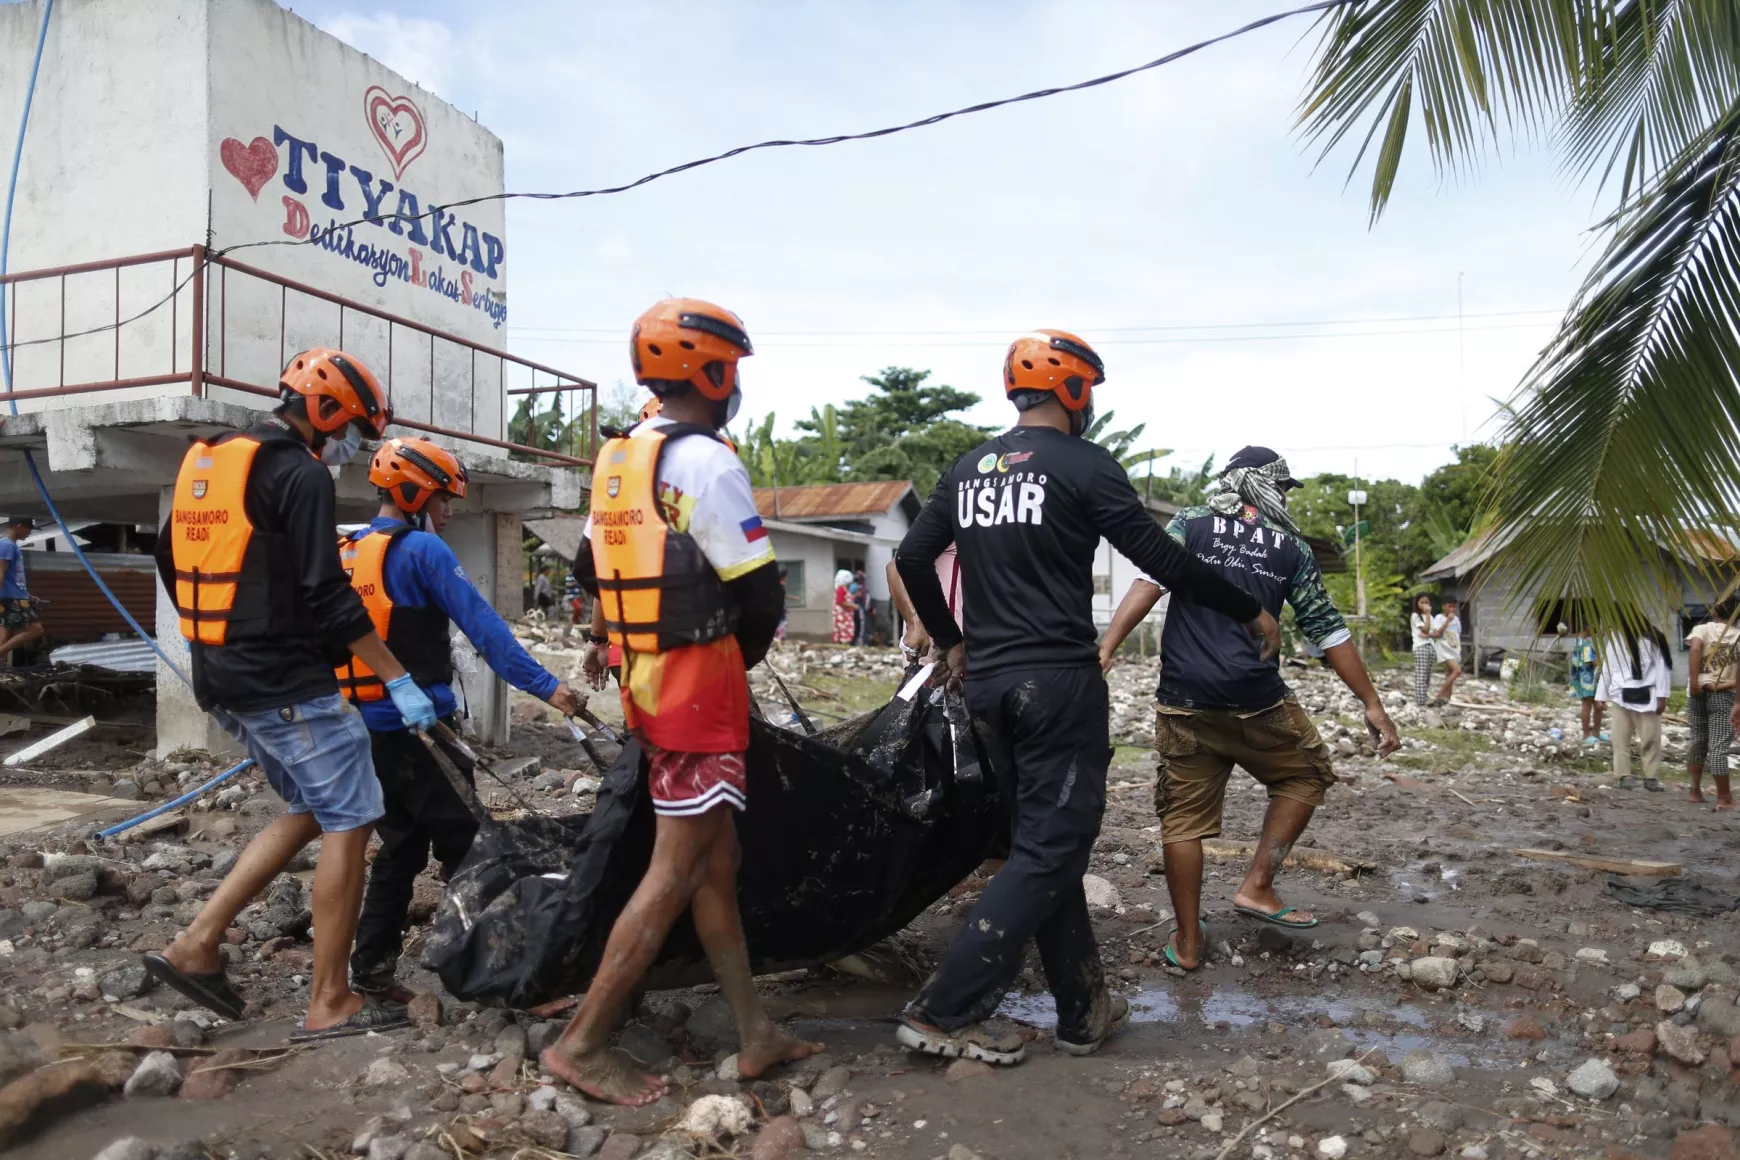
{"x": 974, "y": 1041}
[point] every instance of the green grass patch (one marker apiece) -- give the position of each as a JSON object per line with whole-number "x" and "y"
{"x": 1132, "y": 756}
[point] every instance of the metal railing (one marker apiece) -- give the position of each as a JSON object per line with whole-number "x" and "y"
{"x": 445, "y": 357}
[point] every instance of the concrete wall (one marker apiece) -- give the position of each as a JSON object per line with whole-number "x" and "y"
{"x": 114, "y": 164}
{"x": 156, "y": 122}
{"x": 814, "y": 618}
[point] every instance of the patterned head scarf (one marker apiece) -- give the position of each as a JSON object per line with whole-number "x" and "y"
{"x": 1262, "y": 486}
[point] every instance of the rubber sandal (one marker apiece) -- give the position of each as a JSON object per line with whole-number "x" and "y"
{"x": 1278, "y": 918}
{"x": 211, "y": 991}
{"x": 1172, "y": 958}
{"x": 371, "y": 1016}
{"x": 1117, "y": 1018}
{"x": 973, "y": 1041}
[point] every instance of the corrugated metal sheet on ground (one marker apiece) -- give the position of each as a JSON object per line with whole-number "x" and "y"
{"x": 76, "y": 609}
{"x": 120, "y": 656}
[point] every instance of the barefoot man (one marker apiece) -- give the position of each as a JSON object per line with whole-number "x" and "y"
{"x": 679, "y": 560}
{"x": 1221, "y": 703}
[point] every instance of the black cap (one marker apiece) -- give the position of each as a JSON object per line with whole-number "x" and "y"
{"x": 27, "y": 521}
{"x": 1254, "y": 456}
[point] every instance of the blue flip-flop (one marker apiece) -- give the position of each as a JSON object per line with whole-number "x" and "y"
{"x": 1278, "y": 918}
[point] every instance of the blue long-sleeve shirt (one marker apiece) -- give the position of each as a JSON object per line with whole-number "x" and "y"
{"x": 421, "y": 570}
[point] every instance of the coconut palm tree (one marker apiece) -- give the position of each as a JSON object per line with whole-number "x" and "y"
{"x": 1625, "y": 432}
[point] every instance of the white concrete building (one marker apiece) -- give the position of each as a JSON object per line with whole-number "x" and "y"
{"x": 230, "y": 185}
{"x": 818, "y": 529}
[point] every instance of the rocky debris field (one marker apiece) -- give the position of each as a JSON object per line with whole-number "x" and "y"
{"x": 1457, "y": 999}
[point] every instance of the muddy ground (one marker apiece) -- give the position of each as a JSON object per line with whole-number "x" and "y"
{"x": 1531, "y": 971}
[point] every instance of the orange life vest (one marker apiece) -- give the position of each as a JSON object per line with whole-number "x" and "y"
{"x": 417, "y": 636}
{"x": 232, "y": 581}
{"x": 658, "y": 590}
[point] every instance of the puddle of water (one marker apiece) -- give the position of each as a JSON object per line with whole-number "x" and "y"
{"x": 1243, "y": 1010}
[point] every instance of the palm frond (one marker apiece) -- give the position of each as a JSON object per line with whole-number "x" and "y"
{"x": 1468, "y": 68}
{"x": 1668, "y": 71}
{"x": 1626, "y": 437}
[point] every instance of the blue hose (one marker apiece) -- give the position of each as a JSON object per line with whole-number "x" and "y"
{"x": 178, "y": 802}
{"x": 6, "y": 353}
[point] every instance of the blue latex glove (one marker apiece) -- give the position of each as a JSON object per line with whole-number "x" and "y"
{"x": 412, "y": 703}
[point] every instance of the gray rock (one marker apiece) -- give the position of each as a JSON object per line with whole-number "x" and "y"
{"x": 184, "y": 1150}
{"x": 712, "y": 1027}
{"x": 510, "y": 1042}
{"x": 582, "y": 1142}
{"x": 1440, "y": 1115}
{"x": 1428, "y": 1069}
{"x": 19, "y": 1055}
{"x": 647, "y": 1046}
{"x": 66, "y": 865}
{"x": 540, "y": 1035}
{"x": 1680, "y": 1043}
{"x": 158, "y": 1074}
{"x": 223, "y": 862}
{"x": 125, "y": 982}
{"x": 12, "y": 923}
{"x": 1347, "y": 1071}
{"x": 1593, "y": 1079}
{"x": 130, "y": 1148}
{"x": 388, "y": 1148}
{"x": 573, "y": 1110}
{"x": 429, "y": 1150}
{"x": 1326, "y": 1044}
{"x": 1688, "y": 974}
{"x": 126, "y": 789}
{"x": 1720, "y": 1015}
{"x": 385, "y": 1072}
{"x": 831, "y": 1082}
{"x": 817, "y": 1138}
{"x": 1626, "y": 992}
{"x": 1434, "y": 973}
{"x": 75, "y": 887}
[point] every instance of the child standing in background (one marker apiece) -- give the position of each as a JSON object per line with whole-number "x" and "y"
{"x": 1583, "y": 682}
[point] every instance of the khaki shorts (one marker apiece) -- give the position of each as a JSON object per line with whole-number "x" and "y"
{"x": 1198, "y": 748}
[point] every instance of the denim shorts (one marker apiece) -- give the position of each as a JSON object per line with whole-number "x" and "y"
{"x": 316, "y": 756}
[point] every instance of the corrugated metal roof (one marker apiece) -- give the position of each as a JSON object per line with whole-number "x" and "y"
{"x": 830, "y": 500}
{"x": 74, "y": 609}
{"x": 119, "y": 656}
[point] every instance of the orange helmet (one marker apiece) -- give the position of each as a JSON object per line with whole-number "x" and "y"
{"x": 412, "y": 470}
{"x": 1055, "y": 361}
{"x": 686, "y": 340}
{"x": 650, "y": 408}
{"x": 331, "y": 374}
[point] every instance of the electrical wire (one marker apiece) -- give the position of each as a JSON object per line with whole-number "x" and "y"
{"x": 6, "y": 356}
{"x": 433, "y": 212}
{"x": 759, "y": 333}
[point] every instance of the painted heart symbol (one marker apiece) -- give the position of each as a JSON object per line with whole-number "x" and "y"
{"x": 397, "y": 124}
{"x": 253, "y": 164}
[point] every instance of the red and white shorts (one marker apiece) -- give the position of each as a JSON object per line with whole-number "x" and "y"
{"x": 690, "y": 784}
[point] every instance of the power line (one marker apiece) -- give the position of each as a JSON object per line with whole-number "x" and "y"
{"x": 434, "y": 212}
{"x": 987, "y": 343}
{"x": 759, "y": 333}
{"x": 840, "y": 138}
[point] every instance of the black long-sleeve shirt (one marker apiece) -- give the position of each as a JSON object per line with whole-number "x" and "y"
{"x": 1027, "y": 511}
{"x": 289, "y": 493}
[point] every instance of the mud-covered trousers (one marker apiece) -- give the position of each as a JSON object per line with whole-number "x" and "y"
{"x": 1047, "y": 736}
{"x": 424, "y": 815}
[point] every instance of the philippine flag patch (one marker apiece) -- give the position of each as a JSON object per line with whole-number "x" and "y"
{"x": 752, "y": 529}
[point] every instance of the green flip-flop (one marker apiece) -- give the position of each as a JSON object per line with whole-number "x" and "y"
{"x": 1173, "y": 959}
{"x": 1278, "y": 918}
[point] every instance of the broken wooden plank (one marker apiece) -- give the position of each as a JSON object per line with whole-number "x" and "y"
{"x": 1301, "y": 856}
{"x": 1610, "y": 865}
{"x": 53, "y": 741}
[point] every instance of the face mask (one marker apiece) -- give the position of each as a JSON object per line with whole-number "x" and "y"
{"x": 733, "y": 403}
{"x": 1085, "y": 417}
{"x": 338, "y": 450}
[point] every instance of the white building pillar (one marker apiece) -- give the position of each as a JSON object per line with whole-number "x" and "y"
{"x": 488, "y": 545}
{"x": 181, "y": 724}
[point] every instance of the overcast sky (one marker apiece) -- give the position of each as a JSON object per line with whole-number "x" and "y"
{"x": 1176, "y": 219}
